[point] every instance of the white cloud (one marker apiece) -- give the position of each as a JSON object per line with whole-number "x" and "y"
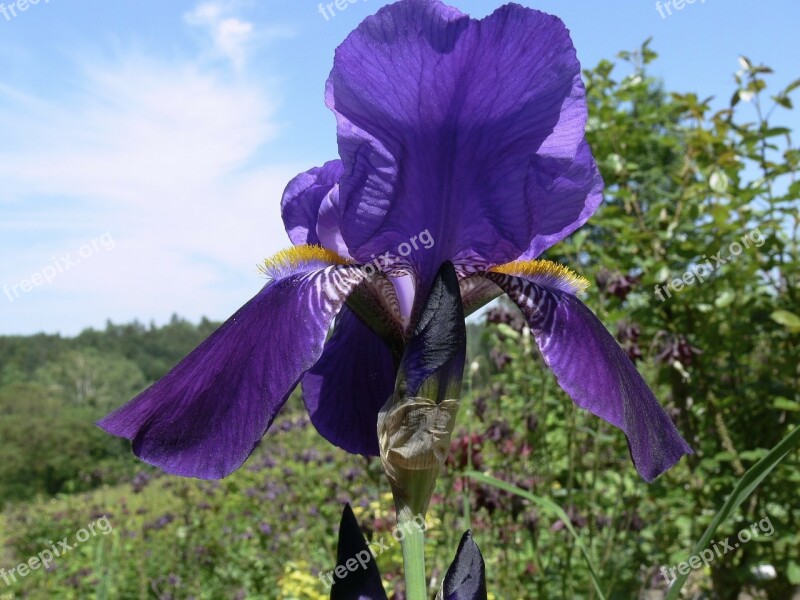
{"x": 161, "y": 156}
{"x": 230, "y": 37}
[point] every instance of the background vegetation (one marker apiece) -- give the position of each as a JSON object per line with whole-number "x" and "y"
{"x": 684, "y": 181}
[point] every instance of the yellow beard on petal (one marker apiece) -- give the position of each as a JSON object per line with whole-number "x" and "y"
{"x": 298, "y": 258}
{"x": 546, "y": 273}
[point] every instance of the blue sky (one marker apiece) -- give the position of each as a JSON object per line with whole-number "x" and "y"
{"x": 144, "y": 145}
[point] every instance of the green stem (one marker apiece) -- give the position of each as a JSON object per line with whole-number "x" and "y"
{"x": 465, "y": 490}
{"x": 413, "y": 543}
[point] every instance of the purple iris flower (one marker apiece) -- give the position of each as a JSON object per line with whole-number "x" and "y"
{"x": 461, "y": 143}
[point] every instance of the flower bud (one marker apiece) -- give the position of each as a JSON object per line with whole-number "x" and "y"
{"x": 415, "y": 425}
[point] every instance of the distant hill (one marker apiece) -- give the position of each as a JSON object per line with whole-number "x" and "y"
{"x": 53, "y": 388}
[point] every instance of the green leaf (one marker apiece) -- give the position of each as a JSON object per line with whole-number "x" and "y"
{"x": 746, "y": 486}
{"x": 786, "y": 404}
{"x": 773, "y": 131}
{"x": 508, "y": 331}
{"x": 746, "y": 95}
{"x": 725, "y": 299}
{"x": 792, "y": 86}
{"x": 750, "y": 455}
{"x": 784, "y": 101}
{"x": 793, "y": 572}
{"x": 788, "y": 319}
{"x": 550, "y": 506}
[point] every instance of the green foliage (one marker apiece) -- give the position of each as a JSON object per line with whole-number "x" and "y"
{"x": 744, "y": 488}
{"x": 53, "y": 389}
{"x": 49, "y": 447}
{"x": 684, "y": 183}
{"x": 265, "y": 532}
{"x": 548, "y": 506}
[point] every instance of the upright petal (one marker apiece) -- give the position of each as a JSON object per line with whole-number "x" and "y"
{"x": 302, "y": 199}
{"x": 204, "y": 418}
{"x": 346, "y": 388}
{"x": 591, "y": 367}
{"x": 328, "y": 230}
{"x": 466, "y": 577}
{"x": 562, "y": 201}
{"x": 461, "y": 127}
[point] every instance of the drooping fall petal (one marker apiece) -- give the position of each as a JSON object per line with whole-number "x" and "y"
{"x": 350, "y": 383}
{"x": 592, "y": 368}
{"x": 204, "y": 417}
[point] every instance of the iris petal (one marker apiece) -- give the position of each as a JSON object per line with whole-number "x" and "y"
{"x": 562, "y": 200}
{"x": 591, "y": 367}
{"x": 328, "y": 232}
{"x": 204, "y": 418}
{"x": 346, "y": 388}
{"x": 302, "y": 199}
{"x": 465, "y": 128}
{"x": 476, "y": 292}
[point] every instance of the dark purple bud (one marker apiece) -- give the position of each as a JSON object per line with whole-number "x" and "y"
{"x": 363, "y": 583}
{"x": 628, "y": 337}
{"x": 480, "y": 407}
{"x": 466, "y": 577}
{"x": 498, "y": 430}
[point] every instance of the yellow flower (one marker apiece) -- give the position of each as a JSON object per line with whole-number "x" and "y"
{"x": 297, "y": 583}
